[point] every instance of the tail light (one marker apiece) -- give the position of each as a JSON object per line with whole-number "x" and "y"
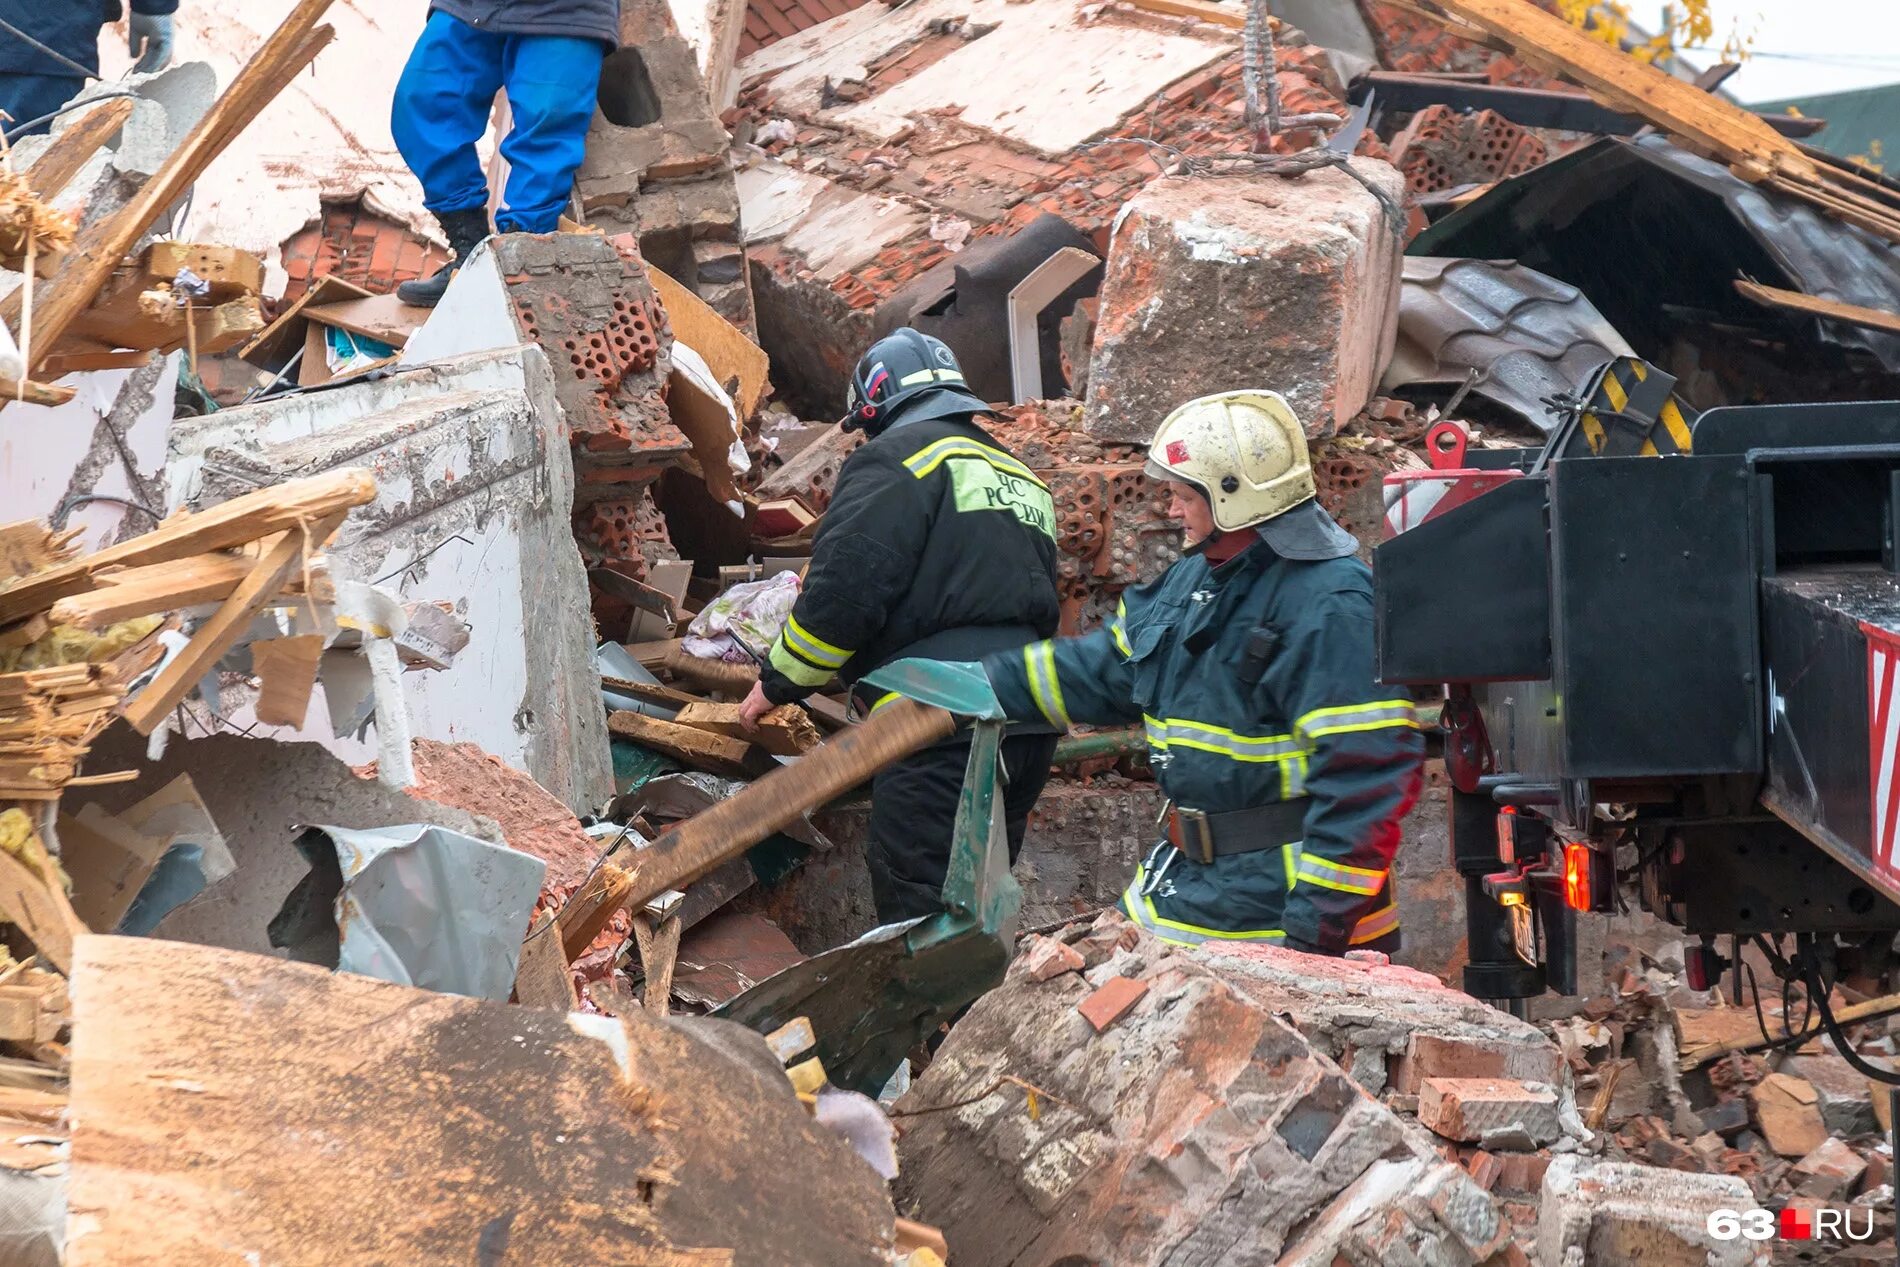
{"x": 1579, "y": 868}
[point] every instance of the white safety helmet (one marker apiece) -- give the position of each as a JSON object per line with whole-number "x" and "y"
{"x": 1246, "y": 452}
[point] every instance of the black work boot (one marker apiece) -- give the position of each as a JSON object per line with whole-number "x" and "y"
{"x": 466, "y": 230}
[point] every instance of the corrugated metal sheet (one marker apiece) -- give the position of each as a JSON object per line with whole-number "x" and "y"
{"x": 1527, "y": 335}
{"x": 1643, "y": 226}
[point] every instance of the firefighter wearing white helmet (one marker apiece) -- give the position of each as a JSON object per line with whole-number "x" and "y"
{"x": 1250, "y": 665}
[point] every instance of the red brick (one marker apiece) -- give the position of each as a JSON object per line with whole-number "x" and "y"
{"x": 1046, "y": 958}
{"x": 1466, "y": 1108}
{"x": 1522, "y": 1172}
{"x": 1829, "y": 1171}
{"x": 1112, "y": 1001}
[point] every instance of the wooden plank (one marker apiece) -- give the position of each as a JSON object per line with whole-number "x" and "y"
{"x": 721, "y": 833}
{"x": 39, "y": 908}
{"x": 279, "y": 508}
{"x": 831, "y": 713}
{"x": 384, "y": 318}
{"x": 786, "y": 731}
{"x": 542, "y": 977}
{"x": 229, "y": 271}
{"x": 703, "y": 418}
{"x": 740, "y": 364}
{"x": 695, "y": 748}
{"x": 34, "y": 393}
{"x": 1231, "y": 17}
{"x": 1624, "y": 83}
{"x": 441, "y": 1129}
{"x": 61, "y": 363}
{"x": 288, "y": 667}
{"x": 99, "y": 248}
{"x": 647, "y": 692}
{"x": 1814, "y": 306}
{"x": 220, "y": 632}
{"x": 659, "y": 943}
{"x": 280, "y": 338}
{"x": 68, "y": 152}
{"x": 24, "y": 633}
{"x": 711, "y": 675}
{"x": 653, "y": 655}
{"x": 606, "y": 890}
{"x": 129, "y": 592}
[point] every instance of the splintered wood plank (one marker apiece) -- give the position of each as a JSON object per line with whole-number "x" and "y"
{"x": 220, "y": 632}
{"x": 696, "y": 748}
{"x": 590, "y": 910}
{"x": 786, "y": 731}
{"x": 100, "y": 247}
{"x": 542, "y": 978}
{"x": 722, "y": 832}
{"x": 288, "y": 668}
{"x": 280, "y": 508}
{"x": 32, "y": 393}
{"x": 229, "y": 271}
{"x": 659, "y": 945}
{"x": 63, "y": 158}
{"x": 232, "y": 1108}
{"x": 711, "y": 675}
{"x": 1815, "y": 306}
{"x": 40, "y": 909}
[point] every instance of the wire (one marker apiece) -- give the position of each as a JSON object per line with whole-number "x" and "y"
{"x": 1812, "y": 976}
{"x": 53, "y": 53}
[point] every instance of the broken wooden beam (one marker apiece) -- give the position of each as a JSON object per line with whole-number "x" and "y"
{"x": 68, "y": 152}
{"x": 293, "y": 504}
{"x": 699, "y": 749}
{"x": 711, "y": 675}
{"x": 721, "y": 833}
{"x": 786, "y": 731}
{"x": 1815, "y": 306}
{"x": 29, "y": 392}
{"x": 164, "y": 587}
{"x": 100, "y": 247}
{"x": 221, "y": 631}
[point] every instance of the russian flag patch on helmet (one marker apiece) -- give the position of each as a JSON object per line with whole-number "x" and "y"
{"x": 1177, "y": 452}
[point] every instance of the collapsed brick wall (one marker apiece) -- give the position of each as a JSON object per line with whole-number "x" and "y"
{"x": 360, "y": 245}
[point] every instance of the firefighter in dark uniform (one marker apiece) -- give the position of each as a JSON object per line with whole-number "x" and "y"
{"x": 1250, "y": 665}
{"x": 939, "y": 544}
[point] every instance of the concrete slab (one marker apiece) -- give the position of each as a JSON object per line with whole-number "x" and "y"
{"x": 474, "y": 505}
{"x": 832, "y": 228}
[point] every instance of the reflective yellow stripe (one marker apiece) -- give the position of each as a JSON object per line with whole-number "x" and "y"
{"x": 1119, "y": 631}
{"x": 931, "y": 456}
{"x": 883, "y": 699}
{"x": 1044, "y": 686}
{"x": 929, "y": 376}
{"x": 792, "y": 665}
{"x": 1339, "y": 876}
{"x": 1289, "y": 862}
{"x": 814, "y": 649}
{"x": 1180, "y": 732}
{"x": 1142, "y": 911}
{"x": 1349, "y": 718}
{"x": 1376, "y": 925}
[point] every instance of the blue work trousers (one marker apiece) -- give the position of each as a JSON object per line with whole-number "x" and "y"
{"x": 442, "y": 107}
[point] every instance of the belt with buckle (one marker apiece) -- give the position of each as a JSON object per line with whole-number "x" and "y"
{"x": 1203, "y": 837}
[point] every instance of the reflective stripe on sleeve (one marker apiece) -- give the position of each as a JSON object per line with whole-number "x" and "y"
{"x": 1350, "y": 718}
{"x": 792, "y": 665}
{"x": 1337, "y": 875}
{"x": 1118, "y": 630}
{"x": 1039, "y": 658}
{"x": 814, "y": 650}
{"x": 1142, "y": 911}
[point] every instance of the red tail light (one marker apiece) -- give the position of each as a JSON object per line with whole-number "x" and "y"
{"x": 1577, "y": 894}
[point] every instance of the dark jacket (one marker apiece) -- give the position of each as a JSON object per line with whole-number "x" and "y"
{"x": 938, "y": 543}
{"x": 70, "y": 26}
{"x": 584, "y": 19}
{"x": 1237, "y": 721}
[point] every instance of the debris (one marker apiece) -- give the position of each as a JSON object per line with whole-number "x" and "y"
{"x": 1830, "y": 1171}
{"x": 699, "y": 1139}
{"x": 786, "y": 731}
{"x": 1611, "y": 1214}
{"x": 1786, "y": 1111}
{"x": 699, "y": 749}
{"x": 1111, "y": 1001}
{"x": 1474, "y": 1109}
{"x": 1043, "y": 958}
{"x": 1158, "y": 342}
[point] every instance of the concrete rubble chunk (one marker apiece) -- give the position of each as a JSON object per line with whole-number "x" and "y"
{"x": 1830, "y": 1171}
{"x": 1199, "y": 1127}
{"x": 475, "y": 494}
{"x": 1787, "y": 1112}
{"x": 1843, "y": 1093}
{"x": 1228, "y": 282}
{"x": 1391, "y": 1026}
{"x": 1474, "y": 1109}
{"x": 1613, "y": 1214}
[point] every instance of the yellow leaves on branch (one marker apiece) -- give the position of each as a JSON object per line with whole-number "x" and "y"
{"x": 1687, "y": 23}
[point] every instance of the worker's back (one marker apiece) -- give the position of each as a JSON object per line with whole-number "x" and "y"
{"x": 946, "y": 538}
{"x": 68, "y": 27}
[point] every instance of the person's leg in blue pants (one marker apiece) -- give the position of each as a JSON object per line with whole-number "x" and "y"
{"x": 441, "y": 110}
{"x": 552, "y": 81}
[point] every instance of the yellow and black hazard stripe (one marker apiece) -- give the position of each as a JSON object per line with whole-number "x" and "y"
{"x": 804, "y": 657}
{"x": 1632, "y": 412}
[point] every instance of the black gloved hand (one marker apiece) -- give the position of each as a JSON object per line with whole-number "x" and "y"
{"x": 1291, "y": 942}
